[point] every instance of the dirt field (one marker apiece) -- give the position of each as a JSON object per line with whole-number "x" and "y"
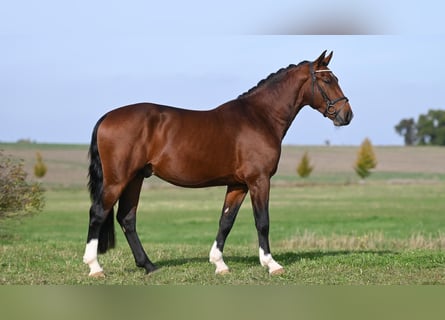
{"x": 67, "y": 164}
{"x": 390, "y": 159}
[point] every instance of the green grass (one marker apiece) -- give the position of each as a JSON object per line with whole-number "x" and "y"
{"x": 376, "y": 233}
{"x": 327, "y": 229}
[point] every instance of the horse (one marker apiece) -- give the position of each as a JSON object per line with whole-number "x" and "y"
{"x": 237, "y": 144}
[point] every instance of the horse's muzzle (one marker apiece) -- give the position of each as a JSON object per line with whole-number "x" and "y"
{"x": 344, "y": 117}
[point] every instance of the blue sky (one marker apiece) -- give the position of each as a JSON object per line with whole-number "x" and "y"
{"x": 64, "y": 65}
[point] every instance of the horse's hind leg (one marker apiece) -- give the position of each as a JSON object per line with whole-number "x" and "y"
{"x": 100, "y": 230}
{"x": 234, "y": 198}
{"x": 97, "y": 217}
{"x": 126, "y": 216}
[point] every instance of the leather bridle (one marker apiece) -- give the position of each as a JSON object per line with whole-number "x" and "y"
{"x": 330, "y": 104}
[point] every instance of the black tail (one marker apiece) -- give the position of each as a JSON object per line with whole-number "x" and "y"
{"x": 95, "y": 185}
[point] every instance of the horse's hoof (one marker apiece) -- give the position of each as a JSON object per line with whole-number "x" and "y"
{"x": 97, "y": 275}
{"x": 222, "y": 272}
{"x": 277, "y": 272}
{"x": 152, "y": 271}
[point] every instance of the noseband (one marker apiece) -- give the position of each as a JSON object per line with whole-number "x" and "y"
{"x": 330, "y": 109}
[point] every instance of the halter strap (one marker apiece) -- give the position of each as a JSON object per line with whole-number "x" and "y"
{"x": 330, "y": 110}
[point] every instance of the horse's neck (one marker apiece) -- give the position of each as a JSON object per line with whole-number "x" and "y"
{"x": 278, "y": 107}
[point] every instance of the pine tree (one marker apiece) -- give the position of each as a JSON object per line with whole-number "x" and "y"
{"x": 40, "y": 167}
{"x": 304, "y": 168}
{"x": 366, "y": 159}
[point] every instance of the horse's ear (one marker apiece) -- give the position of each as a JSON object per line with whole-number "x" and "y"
{"x": 320, "y": 59}
{"x": 327, "y": 59}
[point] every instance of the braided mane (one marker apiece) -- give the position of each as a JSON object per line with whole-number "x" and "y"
{"x": 275, "y": 76}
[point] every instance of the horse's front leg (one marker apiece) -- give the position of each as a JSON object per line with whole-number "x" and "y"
{"x": 234, "y": 198}
{"x": 259, "y": 193}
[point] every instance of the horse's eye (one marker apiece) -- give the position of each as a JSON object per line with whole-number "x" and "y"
{"x": 326, "y": 80}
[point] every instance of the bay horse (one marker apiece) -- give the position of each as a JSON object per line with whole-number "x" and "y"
{"x": 237, "y": 145}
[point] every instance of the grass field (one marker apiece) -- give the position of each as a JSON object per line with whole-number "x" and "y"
{"x": 330, "y": 229}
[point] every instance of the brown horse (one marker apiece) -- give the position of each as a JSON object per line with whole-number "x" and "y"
{"x": 238, "y": 144}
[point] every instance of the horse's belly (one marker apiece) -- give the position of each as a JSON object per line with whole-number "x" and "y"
{"x": 194, "y": 174}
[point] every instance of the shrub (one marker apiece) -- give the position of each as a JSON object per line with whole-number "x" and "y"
{"x": 18, "y": 197}
{"x": 40, "y": 167}
{"x": 304, "y": 168}
{"x": 366, "y": 159}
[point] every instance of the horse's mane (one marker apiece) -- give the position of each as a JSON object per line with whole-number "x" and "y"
{"x": 270, "y": 78}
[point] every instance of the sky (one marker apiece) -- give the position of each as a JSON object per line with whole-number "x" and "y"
{"x": 63, "y": 65}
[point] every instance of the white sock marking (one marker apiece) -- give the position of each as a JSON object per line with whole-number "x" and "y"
{"x": 266, "y": 260}
{"x": 90, "y": 256}
{"x": 216, "y": 258}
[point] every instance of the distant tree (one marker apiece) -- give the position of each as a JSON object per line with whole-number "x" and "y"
{"x": 18, "y": 197}
{"x": 304, "y": 168}
{"x": 366, "y": 159}
{"x": 431, "y": 128}
{"x": 40, "y": 167}
{"x": 407, "y": 129}
{"x": 428, "y": 130}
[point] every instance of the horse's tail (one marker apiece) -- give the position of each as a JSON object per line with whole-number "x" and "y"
{"x": 95, "y": 185}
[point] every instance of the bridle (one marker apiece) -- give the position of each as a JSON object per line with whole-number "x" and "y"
{"x": 330, "y": 109}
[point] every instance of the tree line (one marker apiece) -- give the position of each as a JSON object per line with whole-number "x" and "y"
{"x": 429, "y": 129}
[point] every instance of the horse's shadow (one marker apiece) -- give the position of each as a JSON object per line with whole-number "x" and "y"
{"x": 285, "y": 258}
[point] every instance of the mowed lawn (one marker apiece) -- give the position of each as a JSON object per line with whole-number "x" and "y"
{"x": 330, "y": 229}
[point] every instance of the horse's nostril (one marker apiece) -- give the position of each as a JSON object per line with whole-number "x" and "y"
{"x": 350, "y": 116}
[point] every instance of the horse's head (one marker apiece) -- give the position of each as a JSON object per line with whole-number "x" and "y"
{"x": 326, "y": 95}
